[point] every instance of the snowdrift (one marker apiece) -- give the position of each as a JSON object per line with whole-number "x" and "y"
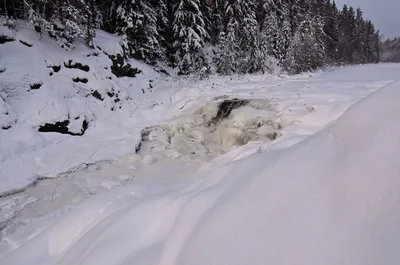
{"x": 331, "y": 199}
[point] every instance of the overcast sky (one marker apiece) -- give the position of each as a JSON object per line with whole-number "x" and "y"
{"x": 385, "y": 14}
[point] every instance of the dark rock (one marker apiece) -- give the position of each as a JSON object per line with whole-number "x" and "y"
{"x": 93, "y": 54}
{"x": 38, "y": 29}
{"x": 25, "y": 43}
{"x": 36, "y": 86}
{"x": 120, "y": 69}
{"x": 164, "y": 72}
{"x": 4, "y": 39}
{"x": 78, "y": 79}
{"x": 97, "y": 95}
{"x": 56, "y": 68}
{"x": 62, "y": 127}
{"x": 225, "y": 108}
{"x": 75, "y": 65}
{"x": 138, "y": 147}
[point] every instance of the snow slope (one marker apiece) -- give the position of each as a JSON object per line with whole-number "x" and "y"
{"x": 37, "y": 87}
{"x": 331, "y": 199}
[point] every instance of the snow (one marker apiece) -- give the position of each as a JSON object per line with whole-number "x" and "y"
{"x": 330, "y": 199}
{"x": 150, "y": 98}
{"x": 199, "y": 188}
{"x": 27, "y": 155}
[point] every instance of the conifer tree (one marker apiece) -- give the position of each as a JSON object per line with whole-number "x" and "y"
{"x": 300, "y": 34}
{"x": 137, "y": 24}
{"x": 331, "y": 29}
{"x": 189, "y": 36}
{"x": 248, "y": 37}
{"x": 164, "y": 27}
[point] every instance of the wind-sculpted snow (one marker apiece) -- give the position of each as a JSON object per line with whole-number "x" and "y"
{"x": 331, "y": 199}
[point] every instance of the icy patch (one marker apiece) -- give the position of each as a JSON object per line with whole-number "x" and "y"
{"x": 214, "y": 129}
{"x": 10, "y": 207}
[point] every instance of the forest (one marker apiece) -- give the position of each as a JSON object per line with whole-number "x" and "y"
{"x": 390, "y": 50}
{"x": 222, "y": 36}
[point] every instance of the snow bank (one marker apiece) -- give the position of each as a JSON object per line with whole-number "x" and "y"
{"x": 59, "y": 108}
{"x": 331, "y": 199}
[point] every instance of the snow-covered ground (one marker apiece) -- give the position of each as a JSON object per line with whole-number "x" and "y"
{"x": 111, "y": 106}
{"x": 197, "y": 185}
{"x": 331, "y": 199}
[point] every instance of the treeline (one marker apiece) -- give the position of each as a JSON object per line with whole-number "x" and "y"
{"x": 232, "y": 36}
{"x": 391, "y": 50}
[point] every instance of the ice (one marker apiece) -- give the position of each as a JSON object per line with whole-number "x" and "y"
{"x": 10, "y": 207}
{"x": 206, "y": 132}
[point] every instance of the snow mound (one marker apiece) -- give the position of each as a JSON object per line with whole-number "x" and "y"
{"x": 214, "y": 129}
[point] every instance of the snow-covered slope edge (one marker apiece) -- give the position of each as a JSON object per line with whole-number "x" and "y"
{"x": 77, "y": 91}
{"x": 330, "y": 199}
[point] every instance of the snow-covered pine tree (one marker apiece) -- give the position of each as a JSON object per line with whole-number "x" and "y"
{"x": 270, "y": 30}
{"x": 136, "y": 22}
{"x": 346, "y": 29}
{"x": 307, "y": 51}
{"x": 226, "y": 56}
{"x": 245, "y": 32}
{"x": 189, "y": 36}
{"x": 372, "y": 46}
{"x": 214, "y": 19}
{"x": 108, "y": 13}
{"x": 91, "y": 23}
{"x": 284, "y": 39}
{"x": 277, "y": 27}
{"x": 295, "y": 11}
{"x": 359, "y": 38}
{"x": 331, "y": 29}
{"x": 377, "y": 47}
{"x": 248, "y": 38}
{"x": 164, "y": 26}
{"x": 62, "y": 20}
{"x": 241, "y": 29}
